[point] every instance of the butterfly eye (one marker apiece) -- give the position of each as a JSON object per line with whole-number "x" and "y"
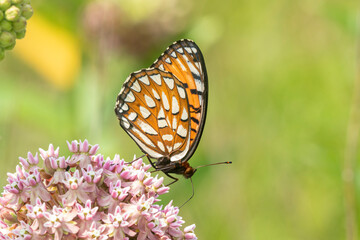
{"x": 163, "y": 108}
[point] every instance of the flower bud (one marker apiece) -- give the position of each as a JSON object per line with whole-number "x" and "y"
{"x": 5, "y": 4}
{"x": 10, "y": 47}
{"x": 19, "y": 25}
{"x": 5, "y": 25}
{"x": 27, "y": 11}
{"x": 20, "y": 34}
{"x": 7, "y": 39}
{"x": 12, "y": 13}
{"x": 8, "y": 215}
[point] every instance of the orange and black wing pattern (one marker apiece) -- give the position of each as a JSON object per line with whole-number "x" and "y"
{"x": 185, "y": 60}
{"x": 153, "y": 109}
{"x": 163, "y": 108}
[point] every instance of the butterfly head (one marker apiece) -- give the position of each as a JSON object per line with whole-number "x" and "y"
{"x": 189, "y": 171}
{"x": 183, "y": 168}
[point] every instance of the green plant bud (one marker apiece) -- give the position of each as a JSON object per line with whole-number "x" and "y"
{"x": 21, "y": 34}
{"x": 27, "y": 11}
{"x": 2, "y": 54}
{"x": 6, "y": 25}
{"x": 19, "y": 24}
{"x": 5, "y": 4}
{"x": 10, "y": 47}
{"x": 17, "y": 1}
{"x": 12, "y": 14}
{"x": 1, "y": 15}
{"x": 7, "y": 39}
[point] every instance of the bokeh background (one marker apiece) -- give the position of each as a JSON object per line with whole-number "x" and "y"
{"x": 281, "y": 76}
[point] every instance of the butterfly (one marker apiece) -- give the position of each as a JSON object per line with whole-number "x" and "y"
{"x": 163, "y": 108}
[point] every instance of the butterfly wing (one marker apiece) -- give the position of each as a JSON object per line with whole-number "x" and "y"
{"x": 185, "y": 61}
{"x": 153, "y": 109}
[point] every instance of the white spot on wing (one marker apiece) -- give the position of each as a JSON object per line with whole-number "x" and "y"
{"x": 194, "y": 50}
{"x": 177, "y": 145}
{"x": 199, "y": 85}
{"x": 181, "y": 91}
{"x": 130, "y": 97}
{"x": 184, "y": 115}
{"x": 156, "y": 78}
{"x": 174, "y": 105}
{"x": 169, "y": 148}
{"x": 132, "y": 116}
{"x": 169, "y": 82}
{"x": 156, "y": 95}
{"x": 162, "y": 123}
{"x": 180, "y": 50}
{"x": 161, "y": 67}
{"x": 136, "y": 86}
{"x": 125, "y": 122}
{"x": 165, "y": 101}
{"x": 188, "y": 49}
{"x": 167, "y": 137}
{"x": 174, "y": 123}
{"x": 124, "y": 107}
{"x": 146, "y": 127}
{"x": 173, "y": 54}
{"x": 167, "y": 60}
{"x": 181, "y": 131}
{"x": 161, "y": 146}
{"x": 145, "y": 79}
{"x": 144, "y": 112}
{"x": 161, "y": 119}
{"x": 161, "y": 113}
{"x": 149, "y": 101}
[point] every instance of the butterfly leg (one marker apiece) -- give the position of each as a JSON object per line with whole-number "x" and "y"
{"x": 175, "y": 179}
{"x": 160, "y": 169}
{"x": 192, "y": 195}
{"x": 152, "y": 164}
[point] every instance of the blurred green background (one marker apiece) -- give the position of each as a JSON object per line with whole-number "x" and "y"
{"x": 281, "y": 76}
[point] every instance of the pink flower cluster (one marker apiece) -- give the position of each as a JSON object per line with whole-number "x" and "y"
{"x": 86, "y": 196}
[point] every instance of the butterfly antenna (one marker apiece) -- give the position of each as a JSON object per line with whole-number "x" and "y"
{"x": 213, "y": 164}
{"x": 192, "y": 195}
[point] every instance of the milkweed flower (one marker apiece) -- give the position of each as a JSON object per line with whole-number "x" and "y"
{"x": 86, "y": 196}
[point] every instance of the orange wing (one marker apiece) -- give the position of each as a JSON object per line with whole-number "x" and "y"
{"x": 153, "y": 109}
{"x": 185, "y": 61}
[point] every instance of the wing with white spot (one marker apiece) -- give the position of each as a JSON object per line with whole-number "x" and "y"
{"x": 185, "y": 60}
{"x": 153, "y": 109}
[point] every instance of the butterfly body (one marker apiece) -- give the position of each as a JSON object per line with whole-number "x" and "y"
{"x": 163, "y": 108}
{"x": 183, "y": 168}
